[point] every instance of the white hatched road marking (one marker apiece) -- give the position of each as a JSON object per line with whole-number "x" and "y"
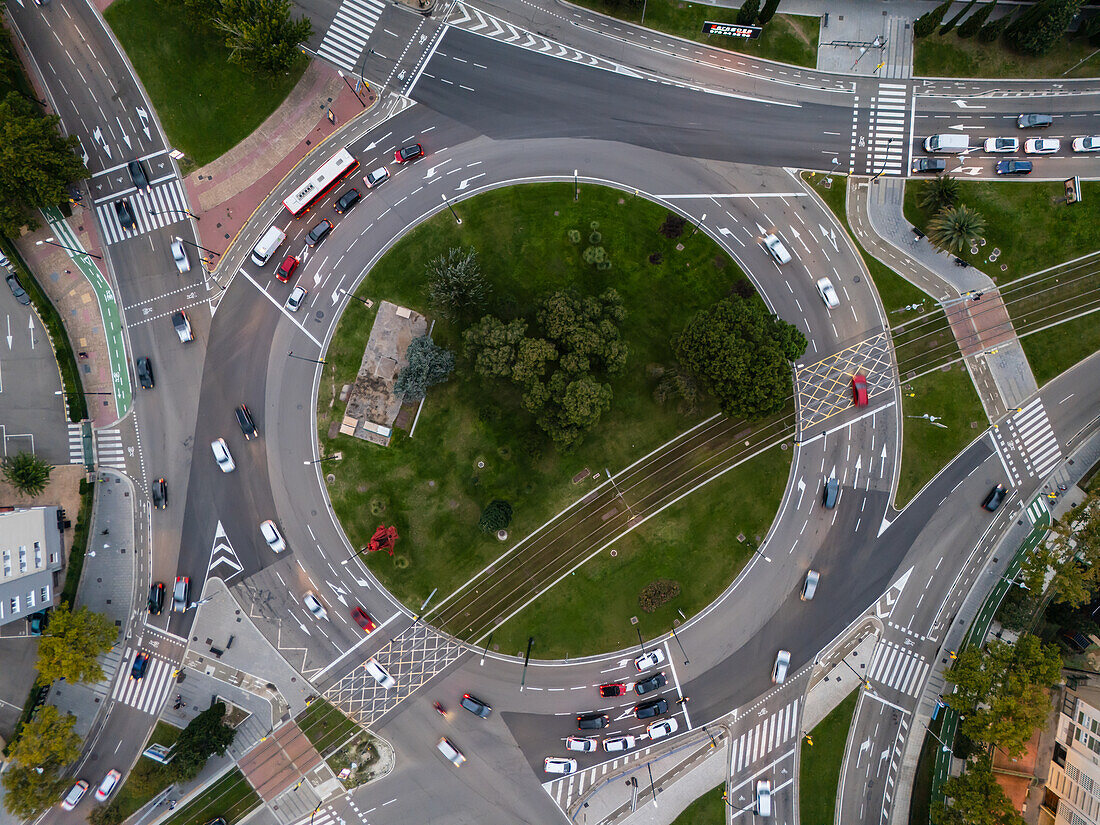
{"x": 351, "y": 28}
{"x": 76, "y": 444}
{"x": 148, "y": 693}
{"x": 894, "y": 667}
{"x": 159, "y": 205}
{"x": 109, "y": 449}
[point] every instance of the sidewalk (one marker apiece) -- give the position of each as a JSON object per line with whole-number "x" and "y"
{"x": 226, "y": 192}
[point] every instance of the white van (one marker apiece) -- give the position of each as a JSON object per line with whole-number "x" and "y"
{"x": 947, "y": 144}
{"x": 273, "y": 238}
{"x": 380, "y": 674}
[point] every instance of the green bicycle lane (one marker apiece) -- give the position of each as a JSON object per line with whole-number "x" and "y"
{"x": 108, "y": 308}
{"x": 1038, "y": 511}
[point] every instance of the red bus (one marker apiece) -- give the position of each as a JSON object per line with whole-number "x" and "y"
{"x": 321, "y": 182}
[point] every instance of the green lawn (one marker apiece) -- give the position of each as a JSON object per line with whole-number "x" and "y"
{"x": 709, "y": 809}
{"x": 206, "y": 104}
{"x": 952, "y": 56}
{"x": 1053, "y": 351}
{"x": 144, "y": 781}
{"x": 230, "y": 797}
{"x": 788, "y": 38}
{"x": 921, "y": 799}
{"x": 819, "y": 769}
{"x": 430, "y": 486}
{"x": 684, "y": 543}
{"x": 1023, "y": 221}
{"x": 325, "y": 726}
{"x": 948, "y": 394}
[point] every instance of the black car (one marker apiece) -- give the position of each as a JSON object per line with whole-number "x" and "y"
{"x": 476, "y": 706}
{"x": 654, "y": 682}
{"x": 160, "y": 494}
{"x": 995, "y": 497}
{"x": 650, "y": 709}
{"x": 1014, "y": 167}
{"x": 592, "y": 721}
{"x": 347, "y": 201}
{"x": 1034, "y": 121}
{"x": 319, "y": 232}
{"x": 156, "y": 598}
{"x": 125, "y": 213}
{"x": 929, "y": 165}
{"x": 244, "y": 418}
{"x": 137, "y": 174}
{"x": 17, "y": 290}
{"x": 145, "y": 373}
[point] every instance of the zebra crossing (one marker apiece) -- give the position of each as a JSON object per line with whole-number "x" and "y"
{"x": 344, "y": 41}
{"x": 109, "y": 449}
{"x": 159, "y": 205}
{"x": 1030, "y": 447}
{"x": 148, "y": 693}
{"x": 887, "y": 130}
{"x": 899, "y": 669}
{"x": 76, "y": 444}
{"x": 753, "y": 745}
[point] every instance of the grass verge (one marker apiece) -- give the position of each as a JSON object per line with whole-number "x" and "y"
{"x": 1053, "y": 351}
{"x": 820, "y": 763}
{"x": 920, "y": 802}
{"x": 206, "y": 104}
{"x": 684, "y": 543}
{"x": 59, "y": 336}
{"x": 80, "y": 542}
{"x": 954, "y": 56}
{"x": 709, "y": 809}
{"x": 949, "y": 395}
{"x": 1023, "y": 221}
{"x": 431, "y": 487}
{"x": 325, "y": 726}
{"x": 230, "y": 797}
{"x": 145, "y": 780}
{"x": 788, "y": 38}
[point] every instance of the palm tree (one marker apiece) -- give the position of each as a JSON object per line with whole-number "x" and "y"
{"x": 939, "y": 193}
{"x": 956, "y": 228}
{"x": 27, "y": 473}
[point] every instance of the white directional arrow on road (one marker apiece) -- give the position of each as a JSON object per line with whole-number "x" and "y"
{"x": 30, "y": 326}
{"x": 143, "y": 116}
{"x": 882, "y": 465}
{"x": 859, "y": 466}
{"x": 466, "y": 182}
{"x": 885, "y": 606}
{"x": 962, "y": 127}
{"x": 9, "y": 332}
{"x": 863, "y": 748}
{"x": 122, "y": 129}
{"x": 222, "y": 553}
{"x": 97, "y": 136}
{"x": 829, "y": 235}
{"x": 432, "y": 169}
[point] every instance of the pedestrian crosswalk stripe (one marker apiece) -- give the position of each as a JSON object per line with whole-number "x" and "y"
{"x": 109, "y": 449}
{"x": 159, "y": 205}
{"x": 894, "y": 667}
{"x": 757, "y": 742}
{"x": 148, "y": 693}
{"x": 76, "y": 444}
{"x": 348, "y": 34}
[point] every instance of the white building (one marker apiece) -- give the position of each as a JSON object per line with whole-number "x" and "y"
{"x": 30, "y": 561}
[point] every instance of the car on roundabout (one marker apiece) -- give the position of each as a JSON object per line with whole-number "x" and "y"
{"x": 664, "y": 727}
{"x": 1042, "y": 146}
{"x": 647, "y": 710}
{"x": 453, "y": 754}
{"x": 286, "y": 268}
{"x": 995, "y": 497}
{"x": 222, "y": 455}
{"x": 612, "y": 689}
{"x": 592, "y": 721}
{"x": 1087, "y": 144}
{"x": 181, "y": 594}
{"x": 294, "y": 301}
{"x": 581, "y": 744}
{"x": 75, "y": 794}
{"x": 17, "y": 290}
{"x": 618, "y": 744}
{"x": 272, "y": 536}
{"x": 859, "y": 389}
{"x": 156, "y": 598}
{"x": 1002, "y": 145}
{"x": 110, "y": 781}
{"x": 776, "y": 249}
{"x": 140, "y": 666}
{"x": 363, "y": 619}
{"x": 650, "y": 659}
{"x": 1014, "y": 167}
{"x": 409, "y": 153}
{"x": 475, "y": 706}
{"x": 245, "y": 421}
{"x": 827, "y": 293}
{"x": 179, "y": 255}
{"x": 654, "y": 682}
{"x": 145, "y": 373}
{"x": 556, "y": 764}
{"x": 314, "y": 606}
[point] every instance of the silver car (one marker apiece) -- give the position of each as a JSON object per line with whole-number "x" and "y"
{"x": 828, "y": 294}
{"x": 179, "y": 255}
{"x": 782, "y": 662}
{"x": 222, "y": 456}
{"x": 453, "y": 754}
{"x": 297, "y": 295}
{"x": 272, "y": 536}
{"x": 314, "y": 606}
{"x": 776, "y": 248}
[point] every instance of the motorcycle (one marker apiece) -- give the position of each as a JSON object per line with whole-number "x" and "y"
{"x": 442, "y": 710}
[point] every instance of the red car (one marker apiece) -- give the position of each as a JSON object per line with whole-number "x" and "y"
{"x": 363, "y": 619}
{"x": 612, "y": 689}
{"x": 286, "y": 268}
{"x": 409, "y": 153}
{"x": 859, "y": 389}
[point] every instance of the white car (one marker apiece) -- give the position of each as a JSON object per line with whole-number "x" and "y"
{"x": 453, "y": 754}
{"x": 776, "y": 248}
{"x": 763, "y": 798}
{"x": 272, "y": 536}
{"x": 662, "y": 728}
{"x": 1087, "y": 144}
{"x": 297, "y": 295}
{"x": 179, "y": 255}
{"x": 1042, "y": 146}
{"x": 579, "y": 743}
{"x": 380, "y": 674}
{"x": 828, "y": 294}
{"x": 75, "y": 794}
{"x": 1002, "y": 145}
{"x": 618, "y": 744}
{"x": 222, "y": 456}
{"x": 651, "y": 659}
{"x": 555, "y": 764}
{"x": 314, "y": 606}
{"x": 377, "y": 177}
{"x": 107, "y": 785}
{"x": 782, "y": 662}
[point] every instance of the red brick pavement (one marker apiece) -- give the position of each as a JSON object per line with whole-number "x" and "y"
{"x": 980, "y": 325}
{"x": 285, "y": 757}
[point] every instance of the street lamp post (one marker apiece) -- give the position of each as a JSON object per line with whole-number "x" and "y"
{"x": 458, "y": 220}
{"x": 197, "y": 246}
{"x": 652, "y": 788}
{"x": 640, "y": 642}
{"x": 681, "y": 644}
{"x": 319, "y": 460}
{"x": 762, "y": 555}
{"x": 177, "y": 211}
{"x": 290, "y": 354}
{"x": 944, "y": 746}
{"x": 52, "y": 242}
{"x": 339, "y": 72}
{"x": 576, "y": 185}
{"x": 357, "y": 298}
{"x": 889, "y": 143}
{"x": 697, "y": 223}
{"x": 526, "y": 659}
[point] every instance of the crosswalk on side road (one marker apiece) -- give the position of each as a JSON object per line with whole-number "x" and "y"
{"x": 110, "y": 451}
{"x": 895, "y": 667}
{"x": 148, "y": 693}
{"x": 349, "y": 32}
{"x": 765, "y": 737}
{"x": 160, "y": 205}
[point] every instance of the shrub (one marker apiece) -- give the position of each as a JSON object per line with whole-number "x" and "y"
{"x": 595, "y": 238}
{"x": 496, "y": 516}
{"x": 574, "y": 235}
{"x": 767, "y": 12}
{"x": 746, "y": 15}
{"x": 742, "y": 288}
{"x": 673, "y": 227}
{"x": 927, "y": 22}
{"x": 991, "y": 31}
{"x": 950, "y": 24}
{"x": 658, "y": 593}
{"x": 974, "y": 22}
{"x": 655, "y": 258}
